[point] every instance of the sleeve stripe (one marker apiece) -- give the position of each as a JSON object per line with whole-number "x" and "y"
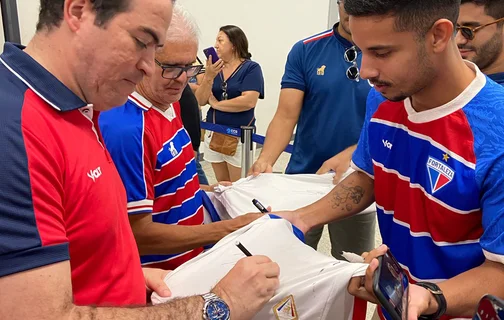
{"x": 140, "y": 211}
{"x": 292, "y": 85}
{"x": 138, "y": 207}
{"x": 141, "y": 203}
{"x": 356, "y": 168}
{"x": 494, "y": 257}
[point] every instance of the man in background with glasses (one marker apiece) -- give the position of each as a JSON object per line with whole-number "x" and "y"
{"x": 323, "y": 94}
{"x": 154, "y": 156}
{"x": 480, "y": 36}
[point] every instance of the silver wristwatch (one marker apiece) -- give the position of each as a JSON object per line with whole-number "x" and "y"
{"x": 215, "y": 308}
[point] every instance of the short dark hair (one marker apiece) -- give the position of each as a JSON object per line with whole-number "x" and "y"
{"x": 51, "y": 12}
{"x": 493, "y": 8}
{"x": 238, "y": 39}
{"x": 411, "y": 15}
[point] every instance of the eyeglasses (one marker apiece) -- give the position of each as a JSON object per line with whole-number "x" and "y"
{"x": 469, "y": 33}
{"x": 350, "y": 56}
{"x": 173, "y": 72}
{"x": 224, "y": 95}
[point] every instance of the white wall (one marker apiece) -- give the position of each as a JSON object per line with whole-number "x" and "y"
{"x": 272, "y": 27}
{"x": 333, "y": 13}
{"x": 2, "y": 38}
{"x": 28, "y": 16}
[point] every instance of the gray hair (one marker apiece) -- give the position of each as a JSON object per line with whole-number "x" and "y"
{"x": 183, "y": 27}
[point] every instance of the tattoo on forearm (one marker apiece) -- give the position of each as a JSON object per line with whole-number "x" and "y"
{"x": 346, "y": 195}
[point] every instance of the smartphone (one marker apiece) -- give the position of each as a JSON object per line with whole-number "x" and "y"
{"x": 211, "y": 52}
{"x": 490, "y": 308}
{"x": 390, "y": 286}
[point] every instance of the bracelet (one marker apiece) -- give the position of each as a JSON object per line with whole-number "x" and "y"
{"x": 440, "y": 299}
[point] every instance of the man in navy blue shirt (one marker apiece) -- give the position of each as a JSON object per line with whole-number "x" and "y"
{"x": 480, "y": 36}
{"x": 323, "y": 94}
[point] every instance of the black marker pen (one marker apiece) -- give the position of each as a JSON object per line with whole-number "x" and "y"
{"x": 259, "y": 206}
{"x": 243, "y": 249}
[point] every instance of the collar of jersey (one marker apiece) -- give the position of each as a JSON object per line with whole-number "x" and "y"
{"x": 347, "y": 44}
{"x": 140, "y": 101}
{"x": 38, "y": 79}
{"x": 456, "y": 104}
{"x": 146, "y": 105}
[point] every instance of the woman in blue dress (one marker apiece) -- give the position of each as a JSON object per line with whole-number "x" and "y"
{"x": 231, "y": 86}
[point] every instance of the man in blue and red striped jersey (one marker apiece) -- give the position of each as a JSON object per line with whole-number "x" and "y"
{"x": 431, "y": 154}
{"x": 153, "y": 154}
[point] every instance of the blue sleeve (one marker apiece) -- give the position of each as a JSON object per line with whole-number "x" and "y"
{"x": 253, "y": 80}
{"x": 492, "y": 206}
{"x": 297, "y": 232}
{"x": 123, "y": 132}
{"x": 361, "y": 159}
{"x": 293, "y": 77}
{"x": 32, "y": 204}
{"x": 488, "y": 146}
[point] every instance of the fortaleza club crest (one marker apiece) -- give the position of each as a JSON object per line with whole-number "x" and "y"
{"x": 440, "y": 174}
{"x": 286, "y": 309}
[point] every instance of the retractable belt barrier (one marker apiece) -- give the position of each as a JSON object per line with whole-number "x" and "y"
{"x": 247, "y": 136}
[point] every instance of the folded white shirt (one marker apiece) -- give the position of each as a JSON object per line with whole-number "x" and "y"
{"x": 280, "y": 191}
{"x": 312, "y": 285}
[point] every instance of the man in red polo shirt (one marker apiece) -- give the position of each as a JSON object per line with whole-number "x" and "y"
{"x": 65, "y": 240}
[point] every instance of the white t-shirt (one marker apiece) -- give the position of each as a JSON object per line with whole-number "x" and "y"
{"x": 312, "y": 286}
{"x": 281, "y": 192}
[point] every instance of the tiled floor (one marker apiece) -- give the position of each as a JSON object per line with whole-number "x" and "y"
{"x": 324, "y": 244}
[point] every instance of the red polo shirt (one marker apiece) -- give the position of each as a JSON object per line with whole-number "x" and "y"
{"x": 61, "y": 196}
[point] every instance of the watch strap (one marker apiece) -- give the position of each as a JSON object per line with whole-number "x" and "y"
{"x": 440, "y": 299}
{"x": 209, "y": 296}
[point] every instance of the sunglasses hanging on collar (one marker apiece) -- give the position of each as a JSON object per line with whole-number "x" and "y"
{"x": 224, "y": 95}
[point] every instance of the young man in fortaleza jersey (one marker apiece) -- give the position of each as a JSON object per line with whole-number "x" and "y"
{"x": 431, "y": 154}
{"x": 155, "y": 159}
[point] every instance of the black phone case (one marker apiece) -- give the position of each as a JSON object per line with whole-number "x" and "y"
{"x": 379, "y": 295}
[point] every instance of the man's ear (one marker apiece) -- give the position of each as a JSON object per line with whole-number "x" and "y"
{"x": 73, "y": 12}
{"x": 440, "y": 35}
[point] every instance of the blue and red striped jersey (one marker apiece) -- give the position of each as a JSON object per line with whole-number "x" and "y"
{"x": 439, "y": 176}
{"x": 61, "y": 196}
{"x": 154, "y": 156}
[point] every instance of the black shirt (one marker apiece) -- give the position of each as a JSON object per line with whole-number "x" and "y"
{"x": 191, "y": 116}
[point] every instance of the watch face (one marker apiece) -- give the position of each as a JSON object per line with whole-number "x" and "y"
{"x": 217, "y": 310}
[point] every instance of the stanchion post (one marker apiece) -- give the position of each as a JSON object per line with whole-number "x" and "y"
{"x": 10, "y": 21}
{"x": 247, "y": 149}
